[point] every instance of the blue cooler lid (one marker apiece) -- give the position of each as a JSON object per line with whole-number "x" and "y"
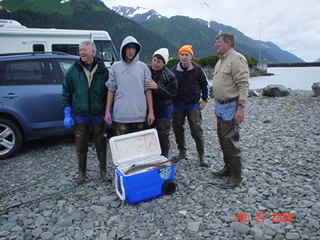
{"x": 132, "y": 146}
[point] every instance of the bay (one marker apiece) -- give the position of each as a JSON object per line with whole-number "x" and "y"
{"x": 297, "y": 78}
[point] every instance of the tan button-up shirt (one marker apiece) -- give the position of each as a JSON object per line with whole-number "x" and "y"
{"x": 231, "y": 77}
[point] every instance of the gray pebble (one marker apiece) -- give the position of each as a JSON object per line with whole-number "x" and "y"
{"x": 4, "y": 233}
{"x": 240, "y": 227}
{"x": 292, "y": 236}
{"x": 46, "y": 235}
{"x": 280, "y": 173}
{"x": 194, "y": 226}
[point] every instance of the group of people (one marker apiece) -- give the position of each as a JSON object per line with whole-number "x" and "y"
{"x": 132, "y": 96}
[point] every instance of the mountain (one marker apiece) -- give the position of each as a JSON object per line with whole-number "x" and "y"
{"x": 200, "y": 33}
{"x": 82, "y": 14}
{"x": 180, "y": 30}
{"x": 266, "y": 51}
{"x": 137, "y": 14}
{"x": 149, "y": 27}
{"x": 63, "y": 7}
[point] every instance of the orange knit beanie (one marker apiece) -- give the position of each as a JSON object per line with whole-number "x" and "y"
{"x": 186, "y": 48}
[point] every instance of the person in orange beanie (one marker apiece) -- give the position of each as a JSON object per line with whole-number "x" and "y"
{"x": 186, "y": 48}
{"x": 192, "y": 96}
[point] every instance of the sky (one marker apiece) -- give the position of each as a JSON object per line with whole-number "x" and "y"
{"x": 294, "y": 25}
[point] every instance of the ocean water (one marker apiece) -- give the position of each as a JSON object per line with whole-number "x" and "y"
{"x": 300, "y": 78}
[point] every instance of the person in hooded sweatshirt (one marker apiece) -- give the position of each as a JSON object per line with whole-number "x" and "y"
{"x": 130, "y": 100}
{"x": 164, "y": 88}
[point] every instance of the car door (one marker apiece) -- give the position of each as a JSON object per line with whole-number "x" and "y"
{"x": 4, "y": 91}
{"x": 29, "y": 94}
{"x": 60, "y": 68}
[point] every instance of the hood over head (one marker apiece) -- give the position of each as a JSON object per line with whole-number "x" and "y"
{"x": 132, "y": 42}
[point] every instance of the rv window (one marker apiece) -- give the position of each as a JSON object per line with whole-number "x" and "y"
{"x": 72, "y": 49}
{"x": 38, "y": 47}
{"x": 24, "y": 73}
{"x": 105, "y": 50}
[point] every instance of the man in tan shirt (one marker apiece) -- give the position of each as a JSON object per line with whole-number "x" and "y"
{"x": 230, "y": 84}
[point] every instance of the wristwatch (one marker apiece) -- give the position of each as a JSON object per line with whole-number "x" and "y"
{"x": 241, "y": 105}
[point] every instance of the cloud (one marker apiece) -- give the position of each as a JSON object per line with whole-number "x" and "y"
{"x": 291, "y": 24}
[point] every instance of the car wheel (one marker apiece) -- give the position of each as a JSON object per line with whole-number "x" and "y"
{"x": 10, "y": 138}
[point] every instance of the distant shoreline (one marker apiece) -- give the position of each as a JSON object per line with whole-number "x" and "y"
{"x": 312, "y": 64}
{"x": 254, "y": 72}
{"x": 260, "y": 74}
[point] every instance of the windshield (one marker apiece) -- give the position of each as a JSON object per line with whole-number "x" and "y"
{"x": 106, "y": 50}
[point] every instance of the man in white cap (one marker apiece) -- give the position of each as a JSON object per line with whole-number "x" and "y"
{"x": 164, "y": 87}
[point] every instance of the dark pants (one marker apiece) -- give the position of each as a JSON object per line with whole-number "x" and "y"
{"x": 228, "y": 134}
{"x": 195, "y": 120}
{"x": 82, "y": 133}
{"x": 124, "y": 128}
{"x": 163, "y": 126}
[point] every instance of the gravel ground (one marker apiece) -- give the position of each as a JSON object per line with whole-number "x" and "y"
{"x": 280, "y": 142}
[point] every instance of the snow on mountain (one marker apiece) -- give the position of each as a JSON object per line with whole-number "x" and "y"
{"x": 138, "y": 11}
{"x": 138, "y": 14}
{"x": 110, "y": 3}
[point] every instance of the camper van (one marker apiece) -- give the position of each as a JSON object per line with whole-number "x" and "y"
{"x": 16, "y": 38}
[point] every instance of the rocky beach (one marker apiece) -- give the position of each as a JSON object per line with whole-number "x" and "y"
{"x": 280, "y": 149}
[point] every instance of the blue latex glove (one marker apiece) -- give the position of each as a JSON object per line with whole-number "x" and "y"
{"x": 68, "y": 120}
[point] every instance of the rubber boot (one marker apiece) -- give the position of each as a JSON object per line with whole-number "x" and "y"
{"x": 103, "y": 166}
{"x": 102, "y": 157}
{"x": 232, "y": 183}
{"x": 103, "y": 175}
{"x": 202, "y": 162}
{"x": 163, "y": 126}
{"x": 224, "y": 172}
{"x": 81, "y": 178}
{"x": 101, "y": 149}
{"x": 165, "y": 150}
{"x": 235, "y": 179}
{"x": 177, "y": 158}
{"x": 81, "y": 140}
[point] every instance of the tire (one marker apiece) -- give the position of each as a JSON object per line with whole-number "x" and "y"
{"x": 10, "y": 138}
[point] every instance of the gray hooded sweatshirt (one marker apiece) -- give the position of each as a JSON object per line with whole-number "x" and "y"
{"x": 126, "y": 82}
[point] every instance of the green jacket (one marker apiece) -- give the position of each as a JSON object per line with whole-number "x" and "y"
{"x": 77, "y": 93}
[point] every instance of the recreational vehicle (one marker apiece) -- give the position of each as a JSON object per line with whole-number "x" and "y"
{"x": 16, "y": 38}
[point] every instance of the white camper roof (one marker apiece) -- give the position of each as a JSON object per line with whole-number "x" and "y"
{"x": 12, "y": 27}
{"x": 8, "y": 23}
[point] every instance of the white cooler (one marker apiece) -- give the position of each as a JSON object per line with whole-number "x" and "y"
{"x": 141, "y": 173}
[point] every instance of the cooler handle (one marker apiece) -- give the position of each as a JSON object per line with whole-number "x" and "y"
{"x": 122, "y": 195}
